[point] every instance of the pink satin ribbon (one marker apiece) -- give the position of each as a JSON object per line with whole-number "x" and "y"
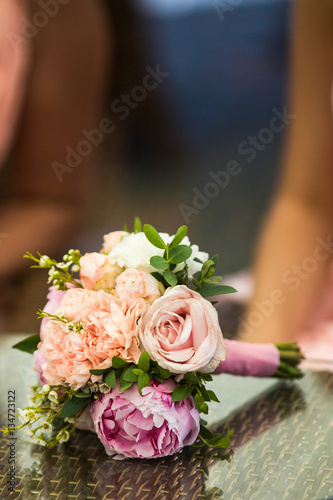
{"x": 247, "y": 359}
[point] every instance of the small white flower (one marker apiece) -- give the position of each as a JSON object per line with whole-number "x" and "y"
{"x": 63, "y": 436}
{"x": 75, "y": 268}
{"x": 22, "y": 416}
{"x": 28, "y": 432}
{"x": 47, "y": 427}
{"x": 70, "y": 420}
{"x": 46, "y": 388}
{"x": 31, "y": 415}
{"x": 39, "y": 441}
{"x": 86, "y": 389}
{"x": 44, "y": 261}
{"x": 62, "y": 265}
{"x": 104, "y": 388}
{"x": 53, "y": 396}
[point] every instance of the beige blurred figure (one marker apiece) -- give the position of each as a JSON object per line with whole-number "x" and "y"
{"x": 51, "y": 89}
{"x": 291, "y": 257}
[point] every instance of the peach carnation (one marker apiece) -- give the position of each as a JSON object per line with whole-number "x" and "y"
{"x": 108, "y": 329}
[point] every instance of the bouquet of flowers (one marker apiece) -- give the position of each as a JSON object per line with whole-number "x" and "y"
{"x": 127, "y": 343}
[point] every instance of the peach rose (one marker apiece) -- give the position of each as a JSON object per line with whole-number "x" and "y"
{"x": 181, "y": 331}
{"x": 97, "y": 273}
{"x": 108, "y": 329}
{"x": 112, "y": 239}
{"x": 133, "y": 284}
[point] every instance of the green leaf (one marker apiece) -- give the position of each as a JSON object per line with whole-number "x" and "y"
{"x": 179, "y": 254}
{"x": 204, "y": 393}
{"x": 28, "y": 345}
{"x": 191, "y": 378}
{"x": 206, "y": 376}
{"x": 153, "y": 236}
{"x": 118, "y": 362}
{"x": 124, "y": 384}
{"x": 144, "y": 362}
{"x": 181, "y": 392}
{"x": 214, "y": 280}
{"x": 170, "y": 278}
{"x": 83, "y": 395}
{"x": 198, "y": 400}
{"x": 204, "y": 408}
{"x": 230, "y": 433}
{"x": 143, "y": 381}
{"x": 223, "y": 443}
{"x": 129, "y": 375}
{"x": 137, "y": 371}
{"x": 207, "y": 269}
{"x": 159, "y": 262}
{"x": 125, "y": 228}
{"x": 206, "y": 433}
{"x": 72, "y": 406}
{"x": 208, "y": 290}
{"x": 164, "y": 373}
{"x": 178, "y": 237}
{"x": 214, "y": 259}
{"x": 213, "y": 396}
{"x": 137, "y": 225}
{"x": 110, "y": 379}
{"x": 99, "y": 371}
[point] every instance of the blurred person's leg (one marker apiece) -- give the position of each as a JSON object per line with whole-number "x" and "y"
{"x": 294, "y": 258}
{"x": 70, "y": 56}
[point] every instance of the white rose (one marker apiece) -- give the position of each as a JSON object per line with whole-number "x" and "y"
{"x": 135, "y": 251}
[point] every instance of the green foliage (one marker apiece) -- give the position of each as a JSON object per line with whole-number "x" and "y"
{"x": 137, "y": 225}
{"x": 110, "y": 379}
{"x": 159, "y": 262}
{"x": 170, "y": 278}
{"x": 144, "y": 362}
{"x": 178, "y": 237}
{"x": 72, "y": 406}
{"x": 207, "y": 290}
{"x": 28, "y": 345}
{"x": 153, "y": 236}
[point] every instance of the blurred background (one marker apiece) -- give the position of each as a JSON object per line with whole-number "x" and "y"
{"x": 191, "y": 91}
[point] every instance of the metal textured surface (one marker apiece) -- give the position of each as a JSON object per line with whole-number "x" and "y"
{"x": 282, "y": 448}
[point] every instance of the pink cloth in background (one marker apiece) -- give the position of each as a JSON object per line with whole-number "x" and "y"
{"x": 316, "y": 343}
{"x": 14, "y": 63}
{"x": 247, "y": 359}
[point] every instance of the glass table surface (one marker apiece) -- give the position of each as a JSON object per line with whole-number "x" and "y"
{"x": 281, "y": 448}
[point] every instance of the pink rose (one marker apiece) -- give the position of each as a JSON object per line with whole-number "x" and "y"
{"x": 97, "y": 273}
{"x": 108, "y": 329}
{"x": 181, "y": 332}
{"x": 112, "y": 239}
{"x": 132, "y": 284}
{"x": 133, "y": 426}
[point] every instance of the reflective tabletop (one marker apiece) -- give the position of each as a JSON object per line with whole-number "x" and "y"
{"x": 281, "y": 448}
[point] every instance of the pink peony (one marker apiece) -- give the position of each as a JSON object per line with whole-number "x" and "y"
{"x": 133, "y": 284}
{"x": 39, "y": 360}
{"x": 97, "y": 273}
{"x": 108, "y": 329}
{"x": 150, "y": 426}
{"x": 112, "y": 239}
{"x": 54, "y": 298}
{"x": 181, "y": 332}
